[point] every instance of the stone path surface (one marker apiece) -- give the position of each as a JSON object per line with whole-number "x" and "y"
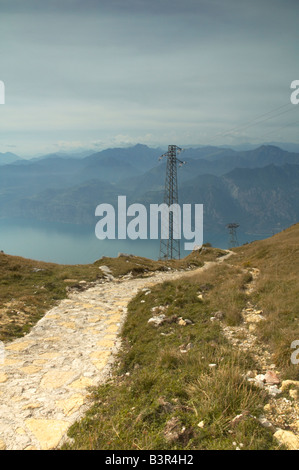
{"x": 46, "y": 375}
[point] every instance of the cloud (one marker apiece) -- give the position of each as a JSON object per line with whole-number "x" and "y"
{"x": 78, "y": 70}
{"x": 109, "y": 6}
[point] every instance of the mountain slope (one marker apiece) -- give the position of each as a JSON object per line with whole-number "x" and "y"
{"x": 194, "y": 380}
{"x": 8, "y": 157}
{"x": 140, "y": 156}
{"x": 198, "y": 385}
{"x": 261, "y": 199}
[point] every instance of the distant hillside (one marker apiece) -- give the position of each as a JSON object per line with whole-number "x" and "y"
{"x": 8, "y": 157}
{"x": 140, "y": 157}
{"x": 258, "y": 188}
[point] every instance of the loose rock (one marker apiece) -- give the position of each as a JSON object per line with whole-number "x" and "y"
{"x": 271, "y": 378}
{"x": 288, "y": 439}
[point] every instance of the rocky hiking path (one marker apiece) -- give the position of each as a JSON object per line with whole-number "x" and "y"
{"x": 46, "y": 375}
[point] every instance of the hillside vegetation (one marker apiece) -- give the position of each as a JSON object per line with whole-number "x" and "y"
{"x": 29, "y": 288}
{"x": 276, "y": 292}
{"x": 183, "y": 384}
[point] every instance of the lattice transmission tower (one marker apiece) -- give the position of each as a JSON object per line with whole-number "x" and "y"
{"x": 170, "y": 247}
{"x": 232, "y": 230}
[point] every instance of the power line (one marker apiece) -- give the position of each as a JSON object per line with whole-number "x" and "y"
{"x": 253, "y": 120}
{"x": 267, "y": 119}
{"x": 279, "y": 129}
{"x": 256, "y": 120}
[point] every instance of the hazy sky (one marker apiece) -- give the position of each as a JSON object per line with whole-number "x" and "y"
{"x": 100, "y": 73}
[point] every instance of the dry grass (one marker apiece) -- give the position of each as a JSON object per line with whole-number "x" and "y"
{"x": 29, "y": 288}
{"x": 223, "y": 287}
{"x": 276, "y": 292}
{"x": 156, "y": 384}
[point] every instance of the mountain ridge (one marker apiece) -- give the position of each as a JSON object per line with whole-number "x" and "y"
{"x": 259, "y": 188}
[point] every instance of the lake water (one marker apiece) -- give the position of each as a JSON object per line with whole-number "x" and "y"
{"x": 75, "y": 244}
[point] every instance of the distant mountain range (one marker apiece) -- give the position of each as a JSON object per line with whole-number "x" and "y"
{"x": 8, "y": 157}
{"x": 259, "y": 188}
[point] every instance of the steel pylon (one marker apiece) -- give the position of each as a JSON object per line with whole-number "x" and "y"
{"x": 232, "y": 230}
{"x": 170, "y": 247}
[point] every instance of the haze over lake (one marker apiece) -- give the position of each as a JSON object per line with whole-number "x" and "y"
{"x": 77, "y": 244}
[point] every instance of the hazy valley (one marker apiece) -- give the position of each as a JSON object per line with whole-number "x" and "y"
{"x": 258, "y": 188}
